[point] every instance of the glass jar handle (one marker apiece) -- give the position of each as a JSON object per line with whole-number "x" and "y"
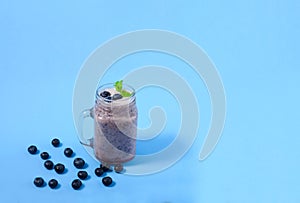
{"x": 84, "y": 140}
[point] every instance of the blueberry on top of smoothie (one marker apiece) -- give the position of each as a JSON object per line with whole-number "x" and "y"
{"x": 105, "y": 94}
{"x": 117, "y": 96}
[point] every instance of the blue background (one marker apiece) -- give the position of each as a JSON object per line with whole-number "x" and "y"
{"x": 254, "y": 45}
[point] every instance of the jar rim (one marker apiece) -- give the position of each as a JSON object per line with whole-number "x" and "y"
{"x": 126, "y": 87}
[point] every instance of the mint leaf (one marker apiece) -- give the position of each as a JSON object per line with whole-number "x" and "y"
{"x": 119, "y": 87}
{"x": 124, "y": 93}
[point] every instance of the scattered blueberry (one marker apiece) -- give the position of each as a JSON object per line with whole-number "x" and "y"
{"x": 76, "y": 184}
{"x": 32, "y": 149}
{"x": 79, "y": 163}
{"x": 117, "y": 96}
{"x": 38, "y": 181}
{"x": 99, "y": 172}
{"x": 118, "y": 168}
{"x": 105, "y": 168}
{"x": 48, "y": 164}
{"x": 68, "y": 152}
{"x": 52, "y": 183}
{"x": 59, "y": 168}
{"x": 55, "y": 142}
{"x": 44, "y": 155}
{"x": 82, "y": 175}
{"x": 107, "y": 181}
{"x": 105, "y": 94}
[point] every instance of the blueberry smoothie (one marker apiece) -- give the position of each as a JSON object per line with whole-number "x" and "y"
{"x": 115, "y": 117}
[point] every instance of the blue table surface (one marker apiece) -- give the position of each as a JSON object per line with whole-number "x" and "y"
{"x": 255, "y": 47}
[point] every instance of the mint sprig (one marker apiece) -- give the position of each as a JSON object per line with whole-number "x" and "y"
{"x": 119, "y": 87}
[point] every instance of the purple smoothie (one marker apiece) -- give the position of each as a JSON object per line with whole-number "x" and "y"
{"x": 115, "y": 128}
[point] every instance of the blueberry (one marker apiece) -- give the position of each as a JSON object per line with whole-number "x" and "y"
{"x": 48, "y": 164}
{"x": 105, "y": 94}
{"x": 105, "y": 168}
{"x": 52, "y": 183}
{"x": 32, "y": 149}
{"x": 38, "y": 181}
{"x": 107, "y": 181}
{"x": 59, "y": 168}
{"x": 82, "y": 175}
{"x": 44, "y": 155}
{"x": 99, "y": 172}
{"x": 118, "y": 168}
{"x": 55, "y": 142}
{"x": 117, "y": 96}
{"x": 76, "y": 184}
{"x": 79, "y": 163}
{"x": 68, "y": 152}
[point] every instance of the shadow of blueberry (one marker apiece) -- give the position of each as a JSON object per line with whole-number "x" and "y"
{"x": 57, "y": 187}
{"x": 65, "y": 171}
{"x": 112, "y": 184}
{"x": 85, "y": 166}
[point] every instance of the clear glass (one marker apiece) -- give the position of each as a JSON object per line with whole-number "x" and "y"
{"x": 115, "y": 126}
